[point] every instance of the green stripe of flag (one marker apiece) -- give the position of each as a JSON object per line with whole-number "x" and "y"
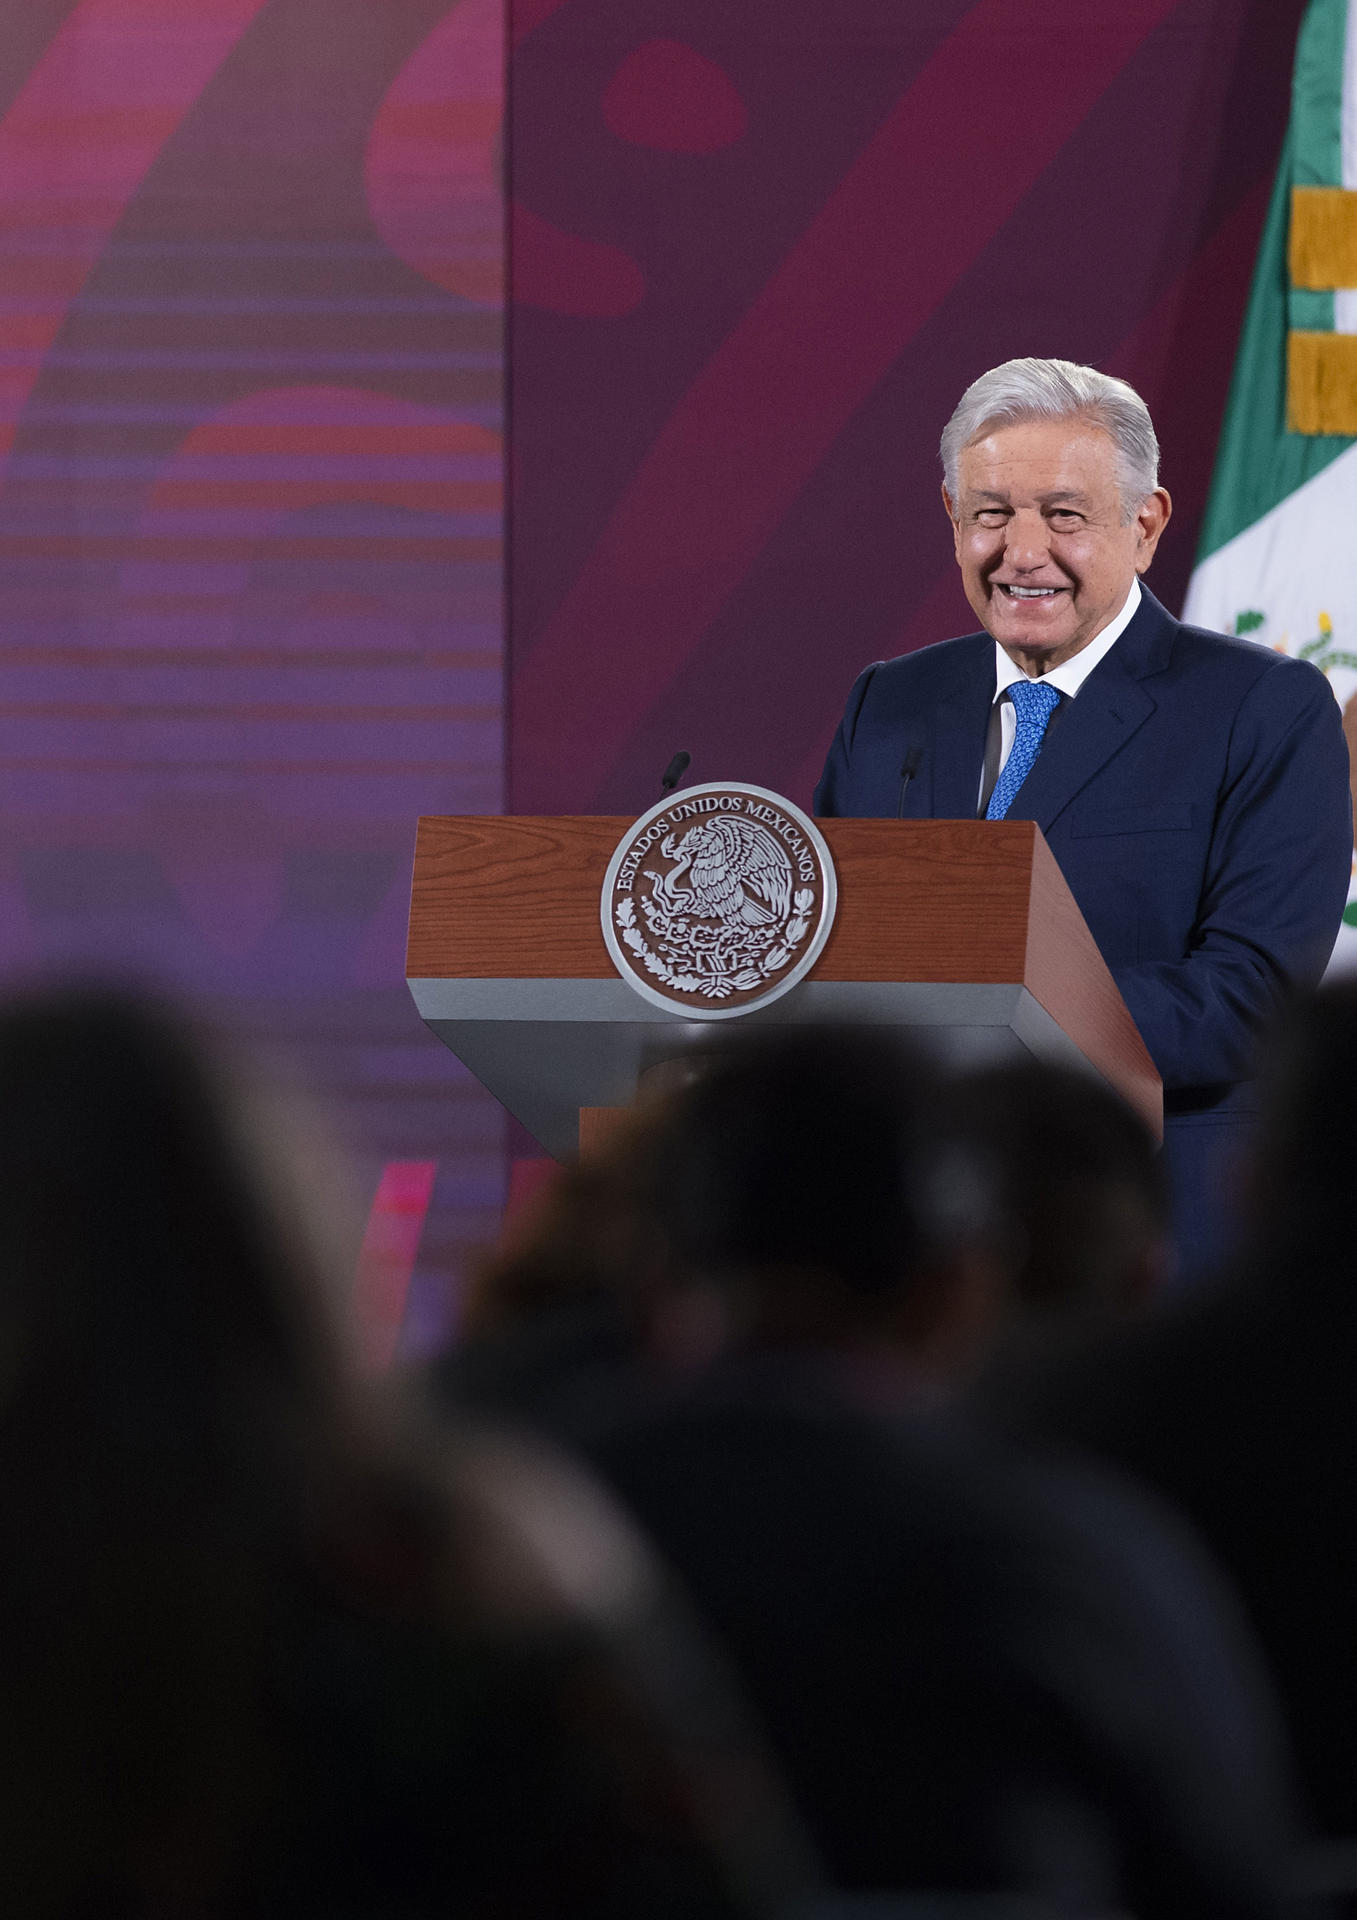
{"x": 1317, "y": 95}
{"x": 1258, "y": 463}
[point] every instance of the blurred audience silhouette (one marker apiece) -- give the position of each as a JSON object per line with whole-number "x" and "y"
{"x": 1238, "y": 1404}
{"x": 265, "y": 1652}
{"x": 645, "y": 1261}
{"x": 1080, "y": 1184}
{"x": 564, "y": 1316}
{"x": 826, "y": 1474}
{"x": 977, "y": 1675}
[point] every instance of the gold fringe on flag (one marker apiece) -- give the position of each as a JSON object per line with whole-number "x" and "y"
{"x": 1321, "y": 382}
{"x": 1323, "y": 244}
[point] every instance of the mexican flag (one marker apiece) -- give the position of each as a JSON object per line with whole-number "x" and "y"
{"x": 1278, "y": 558}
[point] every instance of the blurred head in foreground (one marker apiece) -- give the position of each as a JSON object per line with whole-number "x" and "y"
{"x": 807, "y": 1177}
{"x": 973, "y": 1670}
{"x": 261, "y": 1656}
{"x": 1080, "y": 1182}
{"x": 161, "y": 1269}
{"x": 797, "y": 1189}
{"x": 1298, "y": 1197}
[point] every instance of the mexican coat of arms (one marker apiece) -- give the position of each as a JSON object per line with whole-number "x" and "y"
{"x": 718, "y": 900}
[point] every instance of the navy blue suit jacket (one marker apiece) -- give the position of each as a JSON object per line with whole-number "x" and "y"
{"x": 1195, "y": 794}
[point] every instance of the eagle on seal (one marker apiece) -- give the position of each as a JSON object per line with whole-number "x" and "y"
{"x": 738, "y": 873}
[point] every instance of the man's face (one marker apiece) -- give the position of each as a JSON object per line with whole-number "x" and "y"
{"x": 1045, "y": 557}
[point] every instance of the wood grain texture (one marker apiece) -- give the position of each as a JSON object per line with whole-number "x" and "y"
{"x": 511, "y": 897}
{"x": 517, "y": 897}
{"x": 600, "y": 1126}
{"x": 1068, "y": 976}
{"x": 928, "y": 900}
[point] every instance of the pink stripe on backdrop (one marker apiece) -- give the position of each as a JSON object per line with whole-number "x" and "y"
{"x": 809, "y": 350}
{"x": 432, "y": 163}
{"x": 387, "y": 1258}
{"x": 524, "y": 15}
{"x": 136, "y": 68}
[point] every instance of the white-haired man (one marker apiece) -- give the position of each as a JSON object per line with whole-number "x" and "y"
{"x": 1193, "y": 788}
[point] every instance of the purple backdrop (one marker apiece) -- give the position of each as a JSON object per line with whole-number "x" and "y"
{"x": 757, "y": 253}
{"x": 250, "y": 528}
{"x": 250, "y": 406}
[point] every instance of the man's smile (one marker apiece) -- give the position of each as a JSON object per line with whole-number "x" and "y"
{"x": 1046, "y": 551}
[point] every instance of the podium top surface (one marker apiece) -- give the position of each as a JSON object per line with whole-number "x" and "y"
{"x": 516, "y": 897}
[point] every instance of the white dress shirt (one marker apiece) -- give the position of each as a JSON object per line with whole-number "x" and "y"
{"x": 1066, "y": 679}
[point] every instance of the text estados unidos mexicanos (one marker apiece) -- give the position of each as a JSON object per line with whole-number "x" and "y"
{"x": 718, "y": 803}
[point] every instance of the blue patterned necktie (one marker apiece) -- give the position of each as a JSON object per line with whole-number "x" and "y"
{"x": 1034, "y": 702}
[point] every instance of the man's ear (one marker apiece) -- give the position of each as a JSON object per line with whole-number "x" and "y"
{"x": 1154, "y": 515}
{"x": 952, "y": 516}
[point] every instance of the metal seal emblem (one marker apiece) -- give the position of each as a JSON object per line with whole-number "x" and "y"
{"x": 718, "y": 901}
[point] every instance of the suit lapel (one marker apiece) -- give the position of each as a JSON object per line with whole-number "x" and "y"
{"x": 1108, "y": 709}
{"x": 960, "y": 725}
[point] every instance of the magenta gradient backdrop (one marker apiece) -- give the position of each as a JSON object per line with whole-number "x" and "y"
{"x": 251, "y": 258}
{"x": 758, "y": 250}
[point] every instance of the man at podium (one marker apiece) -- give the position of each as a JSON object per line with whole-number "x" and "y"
{"x": 1194, "y": 788}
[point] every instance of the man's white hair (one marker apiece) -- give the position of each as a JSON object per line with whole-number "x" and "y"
{"x": 1058, "y": 390}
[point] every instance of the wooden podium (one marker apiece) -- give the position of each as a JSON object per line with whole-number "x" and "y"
{"x": 963, "y": 930}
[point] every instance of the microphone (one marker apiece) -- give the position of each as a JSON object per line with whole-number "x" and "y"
{"x": 675, "y": 771}
{"x": 908, "y": 768}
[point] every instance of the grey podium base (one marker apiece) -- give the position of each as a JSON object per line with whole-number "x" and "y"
{"x": 546, "y": 1048}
